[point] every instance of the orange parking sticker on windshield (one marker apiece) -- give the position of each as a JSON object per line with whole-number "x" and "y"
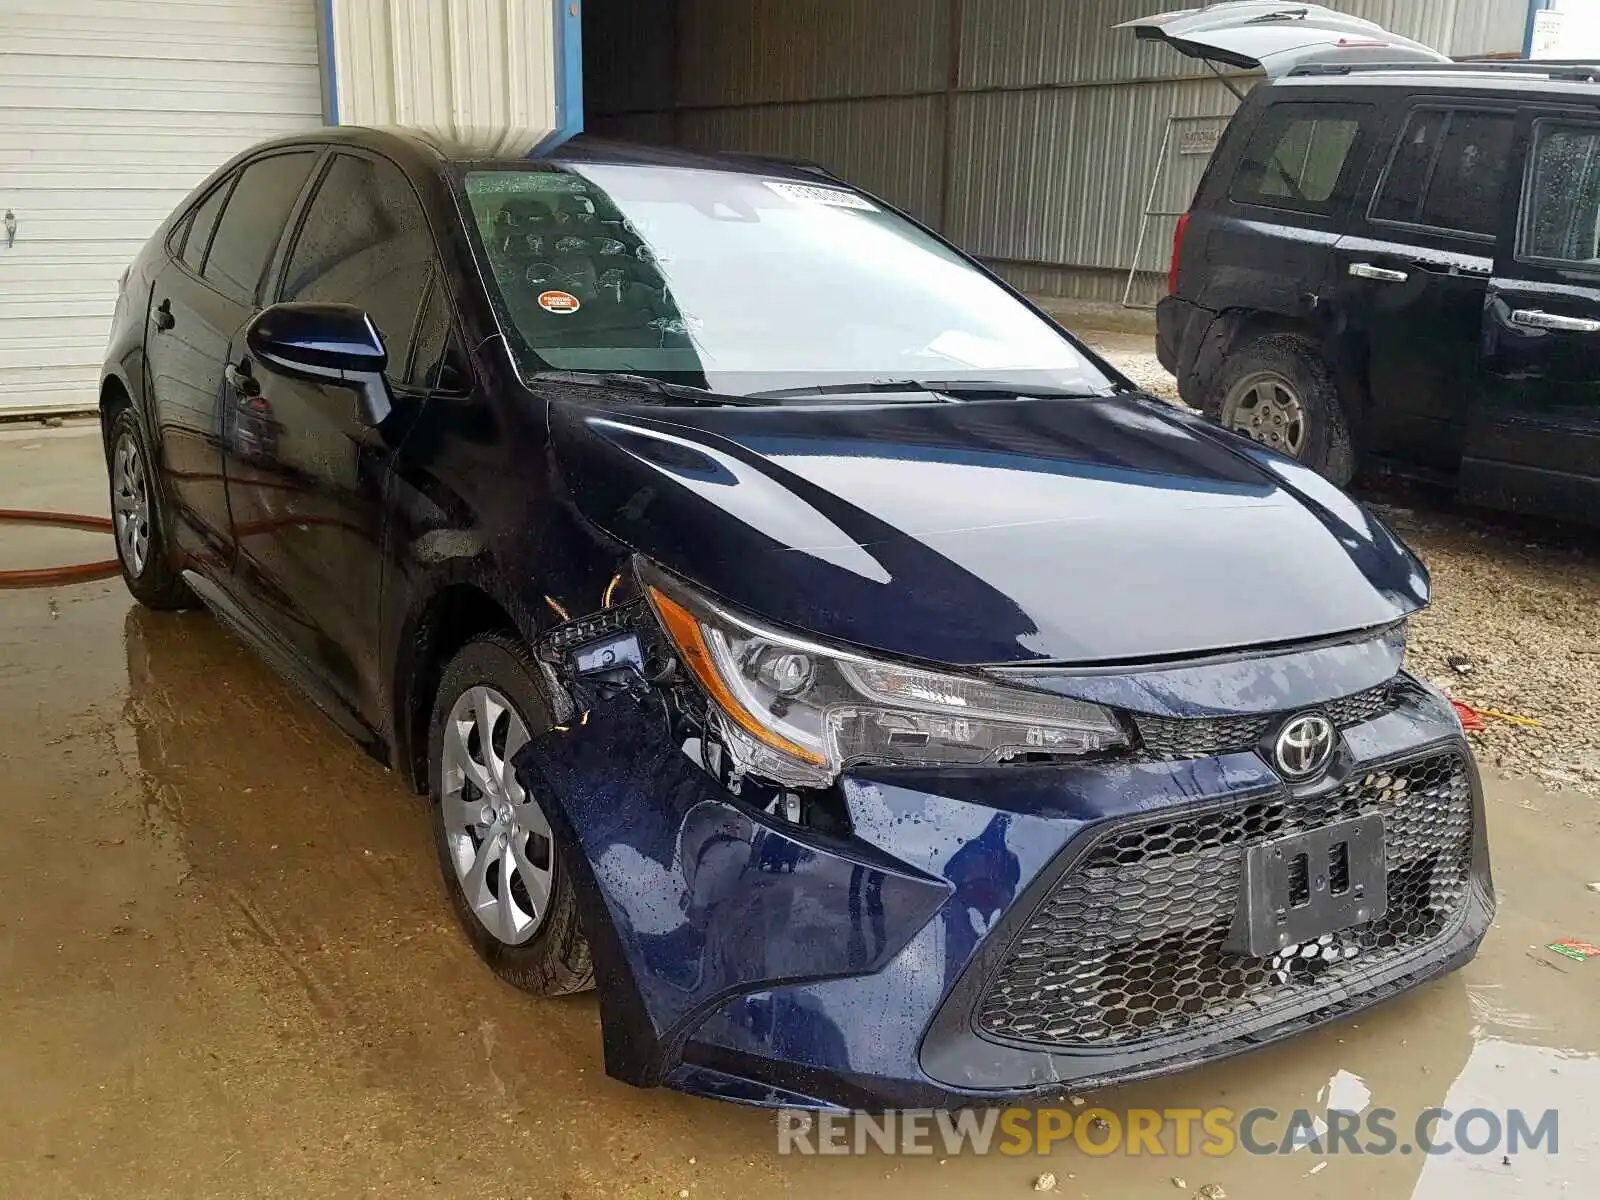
{"x": 559, "y": 302}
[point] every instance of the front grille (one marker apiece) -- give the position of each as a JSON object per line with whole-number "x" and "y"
{"x": 1169, "y": 739}
{"x": 1128, "y": 948}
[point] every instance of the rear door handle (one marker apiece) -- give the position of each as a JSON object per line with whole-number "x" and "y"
{"x": 1533, "y": 318}
{"x": 241, "y": 380}
{"x": 164, "y": 318}
{"x": 1381, "y": 274}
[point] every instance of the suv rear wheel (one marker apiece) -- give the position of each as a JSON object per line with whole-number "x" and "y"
{"x": 1278, "y": 390}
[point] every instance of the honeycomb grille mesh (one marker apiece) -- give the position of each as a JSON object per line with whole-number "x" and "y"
{"x": 1129, "y": 946}
{"x": 1169, "y": 739}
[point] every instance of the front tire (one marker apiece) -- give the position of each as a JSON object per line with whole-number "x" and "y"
{"x": 511, "y": 890}
{"x": 139, "y": 520}
{"x": 1278, "y": 390}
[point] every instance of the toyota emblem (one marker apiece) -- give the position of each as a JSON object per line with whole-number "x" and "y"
{"x": 1304, "y": 746}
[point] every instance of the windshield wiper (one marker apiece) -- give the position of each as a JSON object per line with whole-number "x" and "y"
{"x": 962, "y": 389}
{"x": 685, "y": 392}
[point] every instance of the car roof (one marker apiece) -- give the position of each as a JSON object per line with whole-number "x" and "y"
{"x": 1568, "y": 80}
{"x": 423, "y": 148}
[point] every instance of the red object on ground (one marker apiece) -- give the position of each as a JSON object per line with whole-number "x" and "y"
{"x": 56, "y": 576}
{"x": 1471, "y": 718}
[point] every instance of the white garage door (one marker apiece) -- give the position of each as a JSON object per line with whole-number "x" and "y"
{"x": 110, "y": 112}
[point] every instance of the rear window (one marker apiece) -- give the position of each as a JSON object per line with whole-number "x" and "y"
{"x": 1298, "y": 156}
{"x": 1561, "y": 204}
{"x": 201, "y": 222}
{"x": 1448, "y": 171}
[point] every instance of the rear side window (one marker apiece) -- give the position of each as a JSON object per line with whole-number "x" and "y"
{"x": 1448, "y": 171}
{"x": 252, "y": 221}
{"x": 201, "y": 224}
{"x": 365, "y": 241}
{"x": 1561, "y": 203}
{"x": 1298, "y": 156}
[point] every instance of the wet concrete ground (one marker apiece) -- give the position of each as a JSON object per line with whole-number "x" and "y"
{"x": 227, "y": 968}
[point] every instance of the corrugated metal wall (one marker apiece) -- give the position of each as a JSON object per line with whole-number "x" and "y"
{"x": 464, "y": 68}
{"x": 1027, "y": 130}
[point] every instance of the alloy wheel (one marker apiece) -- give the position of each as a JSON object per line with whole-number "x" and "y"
{"x": 499, "y": 839}
{"x": 130, "y": 501}
{"x": 1265, "y": 406}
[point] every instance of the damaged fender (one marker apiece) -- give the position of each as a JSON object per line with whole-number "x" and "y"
{"x": 688, "y": 900}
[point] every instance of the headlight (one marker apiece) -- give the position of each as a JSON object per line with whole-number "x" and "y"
{"x": 798, "y": 713}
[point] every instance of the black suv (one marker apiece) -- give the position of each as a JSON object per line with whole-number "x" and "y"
{"x": 1403, "y": 262}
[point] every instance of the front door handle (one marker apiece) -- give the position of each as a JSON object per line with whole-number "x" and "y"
{"x": 1381, "y": 274}
{"x": 163, "y": 318}
{"x": 1533, "y": 318}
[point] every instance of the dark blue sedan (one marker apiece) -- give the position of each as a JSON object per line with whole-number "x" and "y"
{"x": 800, "y": 638}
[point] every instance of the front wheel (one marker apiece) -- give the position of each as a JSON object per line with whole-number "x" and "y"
{"x": 1278, "y": 390}
{"x": 508, "y": 883}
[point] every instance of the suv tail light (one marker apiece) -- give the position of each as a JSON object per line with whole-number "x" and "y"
{"x": 1177, "y": 253}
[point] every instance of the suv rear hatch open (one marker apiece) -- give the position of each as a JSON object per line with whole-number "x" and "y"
{"x": 1277, "y": 37}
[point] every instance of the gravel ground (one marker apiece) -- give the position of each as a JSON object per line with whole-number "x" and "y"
{"x": 1515, "y": 622}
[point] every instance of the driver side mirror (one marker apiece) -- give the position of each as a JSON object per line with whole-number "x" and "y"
{"x": 332, "y": 344}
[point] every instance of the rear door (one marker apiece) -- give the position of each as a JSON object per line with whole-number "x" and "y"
{"x": 198, "y": 300}
{"x": 1412, "y": 274}
{"x": 1534, "y": 438}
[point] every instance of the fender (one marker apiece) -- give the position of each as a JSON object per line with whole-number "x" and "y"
{"x": 688, "y": 899}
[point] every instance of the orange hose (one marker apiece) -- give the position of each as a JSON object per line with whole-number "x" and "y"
{"x": 55, "y": 576}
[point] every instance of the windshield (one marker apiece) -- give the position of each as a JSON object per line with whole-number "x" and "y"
{"x": 744, "y": 284}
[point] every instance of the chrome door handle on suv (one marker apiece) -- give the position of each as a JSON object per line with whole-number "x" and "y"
{"x": 1533, "y": 318}
{"x": 1382, "y": 274}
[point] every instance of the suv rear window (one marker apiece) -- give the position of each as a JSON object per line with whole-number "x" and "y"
{"x": 1561, "y": 206}
{"x": 1297, "y": 156}
{"x": 1448, "y": 171}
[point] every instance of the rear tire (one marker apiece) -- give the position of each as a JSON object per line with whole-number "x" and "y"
{"x": 488, "y": 704}
{"x": 1278, "y": 390}
{"x": 140, "y": 520}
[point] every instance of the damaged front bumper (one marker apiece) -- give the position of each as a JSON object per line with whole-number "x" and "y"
{"x": 957, "y": 936}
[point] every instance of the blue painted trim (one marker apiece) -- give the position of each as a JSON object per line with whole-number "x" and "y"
{"x": 330, "y": 68}
{"x": 568, "y": 31}
{"x": 1535, "y": 7}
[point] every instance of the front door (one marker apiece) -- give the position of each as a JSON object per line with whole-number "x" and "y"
{"x": 1534, "y": 440}
{"x": 1412, "y": 275}
{"x": 306, "y": 478}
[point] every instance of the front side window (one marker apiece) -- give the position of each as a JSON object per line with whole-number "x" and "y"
{"x": 252, "y": 221}
{"x": 742, "y": 284}
{"x": 1561, "y": 203}
{"x": 365, "y": 241}
{"x": 1297, "y": 156}
{"x": 1448, "y": 171}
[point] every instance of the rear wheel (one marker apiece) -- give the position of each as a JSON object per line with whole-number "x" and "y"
{"x": 507, "y": 880}
{"x": 139, "y": 520}
{"x": 1278, "y": 390}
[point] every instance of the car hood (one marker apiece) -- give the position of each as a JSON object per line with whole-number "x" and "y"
{"x": 1034, "y": 531}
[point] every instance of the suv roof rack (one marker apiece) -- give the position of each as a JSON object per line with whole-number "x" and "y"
{"x": 1582, "y": 72}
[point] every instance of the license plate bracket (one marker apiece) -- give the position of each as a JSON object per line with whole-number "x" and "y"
{"x": 1297, "y": 888}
